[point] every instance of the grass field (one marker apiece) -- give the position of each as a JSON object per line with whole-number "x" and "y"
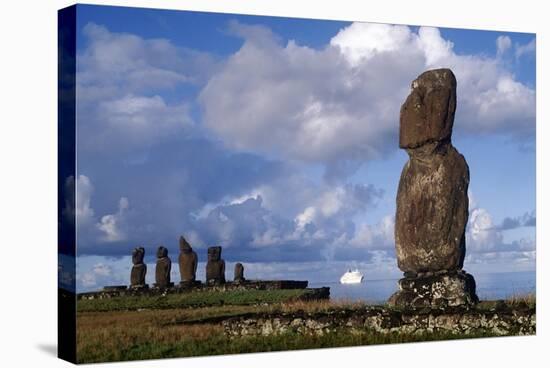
{"x": 192, "y": 299}
{"x": 158, "y": 327}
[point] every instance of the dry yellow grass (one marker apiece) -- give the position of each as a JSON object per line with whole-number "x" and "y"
{"x": 145, "y": 334}
{"x": 529, "y": 299}
{"x": 119, "y": 332}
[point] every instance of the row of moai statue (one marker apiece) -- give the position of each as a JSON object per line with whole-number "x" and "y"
{"x": 188, "y": 260}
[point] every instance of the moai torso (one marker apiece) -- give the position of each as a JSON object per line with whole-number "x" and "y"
{"x": 215, "y": 267}
{"x": 239, "y": 273}
{"x": 164, "y": 266}
{"x": 187, "y": 261}
{"x": 139, "y": 269}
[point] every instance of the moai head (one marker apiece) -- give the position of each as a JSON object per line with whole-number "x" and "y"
{"x": 214, "y": 254}
{"x": 162, "y": 252}
{"x": 137, "y": 255}
{"x": 184, "y": 245}
{"x": 427, "y": 115}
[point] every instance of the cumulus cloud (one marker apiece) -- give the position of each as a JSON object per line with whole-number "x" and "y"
{"x": 362, "y": 41}
{"x": 503, "y": 44}
{"x": 109, "y": 228}
{"x": 321, "y": 228}
{"x": 112, "y": 226}
{"x": 120, "y": 81}
{"x": 139, "y": 120}
{"x": 96, "y": 272}
{"x": 114, "y": 60}
{"x": 526, "y": 49}
{"x": 484, "y": 236}
{"x": 344, "y": 200}
{"x": 77, "y": 200}
{"x": 341, "y": 103}
{"x": 377, "y": 236}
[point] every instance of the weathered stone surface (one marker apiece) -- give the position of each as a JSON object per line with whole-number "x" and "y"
{"x": 139, "y": 269}
{"x": 187, "y": 261}
{"x": 432, "y": 198}
{"x": 452, "y": 289}
{"x": 432, "y": 210}
{"x": 428, "y": 112}
{"x": 163, "y": 268}
{"x": 239, "y": 273}
{"x": 460, "y": 321}
{"x": 215, "y": 267}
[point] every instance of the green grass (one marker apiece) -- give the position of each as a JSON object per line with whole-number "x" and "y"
{"x": 184, "y": 325}
{"x": 191, "y": 299}
{"x": 220, "y": 344}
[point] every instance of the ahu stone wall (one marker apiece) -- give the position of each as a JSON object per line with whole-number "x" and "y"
{"x": 464, "y": 321}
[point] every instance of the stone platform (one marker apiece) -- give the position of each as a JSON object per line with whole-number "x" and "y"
{"x": 436, "y": 290}
{"x": 500, "y": 320}
{"x": 122, "y": 290}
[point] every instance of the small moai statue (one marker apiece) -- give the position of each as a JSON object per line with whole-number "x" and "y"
{"x": 164, "y": 266}
{"x": 215, "y": 267}
{"x": 239, "y": 273}
{"x": 188, "y": 262}
{"x": 137, "y": 276}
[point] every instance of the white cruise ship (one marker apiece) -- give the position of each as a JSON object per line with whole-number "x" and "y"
{"x": 351, "y": 277}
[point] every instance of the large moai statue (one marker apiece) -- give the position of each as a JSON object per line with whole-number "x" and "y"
{"x": 188, "y": 262}
{"x": 163, "y": 268}
{"x": 215, "y": 267}
{"x": 432, "y": 199}
{"x": 139, "y": 269}
{"x": 239, "y": 273}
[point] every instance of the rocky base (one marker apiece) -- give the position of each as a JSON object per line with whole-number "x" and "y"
{"x": 435, "y": 290}
{"x": 189, "y": 284}
{"x": 134, "y": 287}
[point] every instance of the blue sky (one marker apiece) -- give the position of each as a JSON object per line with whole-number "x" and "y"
{"x": 277, "y": 139}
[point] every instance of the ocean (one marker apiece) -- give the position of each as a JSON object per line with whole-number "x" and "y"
{"x": 488, "y": 286}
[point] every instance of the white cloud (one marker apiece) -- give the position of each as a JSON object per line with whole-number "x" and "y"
{"x": 112, "y": 226}
{"x": 482, "y": 235}
{"x": 94, "y": 272}
{"x": 341, "y": 199}
{"x": 526, "y": 49}
{"x": 139, "y": 121}
{"x": 362, "y": 41}
{"x": 120, "y": 80}
{"x": 486, "y": 240}
{"x": 323, "y": 219}
{"x": 503, "y": 44}
{"x": 102, "y": 269}
{"x": 140, "y": 64}
{"x": 435, "y": 48}
{"x": 342, "y": 102}
{"x": 77, "y": 202}
{"x": 377, "y": 236}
